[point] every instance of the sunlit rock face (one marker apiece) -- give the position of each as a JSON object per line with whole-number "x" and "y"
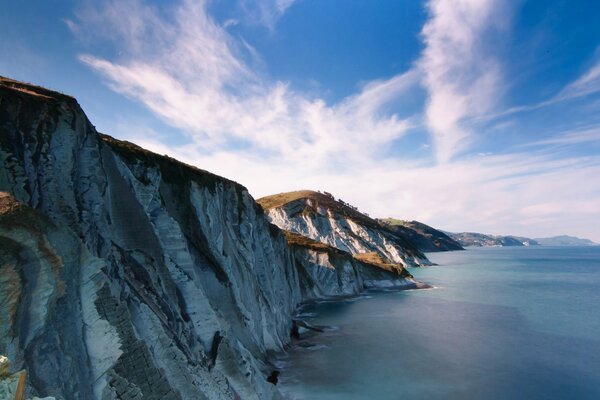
{"x": 127, "y": 275}
{"x": 326, "y": 271}
{"x": 324, "y": 219}
{"x": 328, "y": 274}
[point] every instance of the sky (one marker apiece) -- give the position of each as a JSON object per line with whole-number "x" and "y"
{"x": 468, "y": 115}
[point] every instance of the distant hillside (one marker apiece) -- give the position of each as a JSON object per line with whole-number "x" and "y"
{"x": 422, "y": 236}
{"x": 323, "y": 218}
{"x": 565, "y": 240}
{"x": 467, "y": 239}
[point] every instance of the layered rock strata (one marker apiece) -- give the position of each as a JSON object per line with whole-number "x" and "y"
{"x": 129, "y": 275}
{"x": 322, "y": 218}
{"x": 326, "y": 271}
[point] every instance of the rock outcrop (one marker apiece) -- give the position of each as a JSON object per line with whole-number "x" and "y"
{"x": 422, "y": 236}
{"x": 326, "y": 271}
{"x": 322, "y": 218}
{"x": 129, "y": 275}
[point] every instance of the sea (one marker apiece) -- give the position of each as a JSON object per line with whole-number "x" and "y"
{"x": 499, "y": 323}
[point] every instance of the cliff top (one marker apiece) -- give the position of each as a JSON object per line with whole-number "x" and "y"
{"x": 32, "y": 90}
{"x": 175, "y": 169}
{"x": 415, "y": 225}
{"x": 394, "y": 221}
{"x": 323, "y": 199}
{"x": 281, "y": 199}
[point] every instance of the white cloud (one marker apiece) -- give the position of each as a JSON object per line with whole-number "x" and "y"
{"x": 238, "y": 123}
{"x": 265, "y": 12}
{"x": 587, "y": 83}
{"x": 573, "y": 137}
{"x": 462, "y": 80}
{"x": 195, "y": 78}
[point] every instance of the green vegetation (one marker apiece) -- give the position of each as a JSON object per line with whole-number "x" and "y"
{"x": 371, "y": 259}
{"x": 394, "y": 221}
{"x": 375, "y": 259}
{"x": 172, "y": 170}
{"x": 33, "y": 90}
{"x": 295, "y": 239}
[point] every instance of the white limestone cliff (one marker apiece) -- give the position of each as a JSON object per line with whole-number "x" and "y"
{"x": 319, "y": 217}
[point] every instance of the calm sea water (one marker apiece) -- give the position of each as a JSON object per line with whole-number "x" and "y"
{"x": 502, "y": 323}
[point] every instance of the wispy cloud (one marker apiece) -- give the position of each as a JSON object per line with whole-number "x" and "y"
{"x": 588, "y": 83}
{"x": 185, "y": 67}
{"x": 265, "y": 12}
{"x": 195, "y": 78}
{"x": 573, "y": 137}
{"x": 461, "y": 75}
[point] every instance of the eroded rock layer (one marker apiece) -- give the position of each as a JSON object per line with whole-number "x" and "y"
{"x": 326, "y": 271}
{"x": 322, "y": 218}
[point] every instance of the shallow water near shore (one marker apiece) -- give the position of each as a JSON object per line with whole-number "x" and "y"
{"x": 502, "y": 323}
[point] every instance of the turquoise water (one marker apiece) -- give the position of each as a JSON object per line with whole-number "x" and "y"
{"x": 502, "y": 323}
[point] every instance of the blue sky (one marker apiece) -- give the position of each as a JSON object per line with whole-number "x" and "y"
{"x": 479, "y": 115}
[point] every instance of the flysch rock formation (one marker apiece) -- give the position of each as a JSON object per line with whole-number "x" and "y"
{"x": 326, "y": 271}
{"x": 129, "y": 275}
{"x": 322, "y": 218}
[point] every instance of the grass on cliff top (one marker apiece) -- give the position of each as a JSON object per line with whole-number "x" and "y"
{"x": 32, "y": 90}
{"x": 394, "y": 221}
{"x": 372, "y": 259}
{"x": 375, "y": 259}
{"x": 295, "y": 239}
{"x": 416, "y": 226}
{"x": 281, "y": 199}
{"x": 131, "y": 152}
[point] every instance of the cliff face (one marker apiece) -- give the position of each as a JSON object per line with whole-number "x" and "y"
{"x": 320, "y": 217}
{"x": 422, "y": 236}
{"x": 325, "y": 271}
{"x": 127, "y": 275}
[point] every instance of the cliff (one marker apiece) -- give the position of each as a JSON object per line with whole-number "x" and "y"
{"x": 422, "y": 236}
{"x": 322, "y": 218}
{"x": 129, "y": 275}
